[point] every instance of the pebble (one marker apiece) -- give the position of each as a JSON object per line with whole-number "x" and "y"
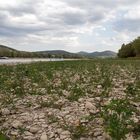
{"x": 33, "y": 129}
{"x": 44, "y": 136}
{"x": 5, "y": 111}
{"x": 16, "y": 124}
{"x": 90, "y": 106}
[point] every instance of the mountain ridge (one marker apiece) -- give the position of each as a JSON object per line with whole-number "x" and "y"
{"x": 10, "y": 52}
{"x": 106, "y": 53}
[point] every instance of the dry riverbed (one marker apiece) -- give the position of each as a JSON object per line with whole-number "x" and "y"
{"x": 69, "y": 100}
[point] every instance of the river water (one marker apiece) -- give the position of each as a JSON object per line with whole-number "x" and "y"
{"x": 27, "y": 60}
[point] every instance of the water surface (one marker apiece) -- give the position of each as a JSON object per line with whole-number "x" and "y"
{"x": 27, "y": 60}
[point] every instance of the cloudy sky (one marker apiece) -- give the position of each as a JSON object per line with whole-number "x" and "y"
{"x": 71, "y": 25}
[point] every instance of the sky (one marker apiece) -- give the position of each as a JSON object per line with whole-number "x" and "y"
{"x": 71, "y": 25}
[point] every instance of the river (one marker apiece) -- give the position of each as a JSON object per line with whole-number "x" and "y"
{"x": 28, "y": 60}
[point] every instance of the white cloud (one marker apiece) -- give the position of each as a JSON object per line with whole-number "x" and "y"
{"x": 133, "y": 13}
{"x": 73, "y": 25}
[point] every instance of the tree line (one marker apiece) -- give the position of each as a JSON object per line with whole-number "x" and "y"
{"x": 131, "y": 49}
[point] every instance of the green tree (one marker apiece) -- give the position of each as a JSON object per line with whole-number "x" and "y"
{"x": 136, "y": 45}
{"x": 126, "y": 51}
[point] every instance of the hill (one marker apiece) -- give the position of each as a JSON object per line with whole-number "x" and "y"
{"x": 5, "y": 48}
{"x": 9, "y": 52}
{"x": 99, "y": 54}
{"x": 58, "y": 54}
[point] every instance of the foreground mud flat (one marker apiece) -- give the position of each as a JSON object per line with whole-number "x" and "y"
{"x": 74, "y": 100}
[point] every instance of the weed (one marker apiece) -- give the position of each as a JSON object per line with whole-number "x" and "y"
{"x": 117, "y": 116}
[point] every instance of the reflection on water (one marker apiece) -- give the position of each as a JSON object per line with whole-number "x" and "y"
{"x": 27, "y": 60}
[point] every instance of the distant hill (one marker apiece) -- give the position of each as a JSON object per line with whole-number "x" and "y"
{"x": 58, "y": 53}
{"x": 5, "y": 48}
{"x": 9, "y": 52}
{"x": 99, "y": 54}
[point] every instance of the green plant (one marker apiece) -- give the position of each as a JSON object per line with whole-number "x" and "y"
{"x": 3, "y": 137}
{"x": 79, "y": 131}
{"x": 117, "y": 118}
{"x": 76, "y": 93}
{"x": 131, "y": 89}
{"x": 53, "y": 119}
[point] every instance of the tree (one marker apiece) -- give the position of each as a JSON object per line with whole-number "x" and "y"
{"x": 126, "y": 51}
{"x": 136, "y": 45}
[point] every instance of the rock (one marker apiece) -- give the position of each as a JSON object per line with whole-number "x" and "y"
{"x": 98, "y": 99}
{"x": 16, "y": 124}
{"x": 28, "y": 138}
{"x": 77, "y": 122}
{"x": 100, "y": 138}
{"x": 99, "y": 86}
{"x": 57, "y": 139}
{"x": 14, "y": 133}
{"x": 84, "y": 121}
{"x": 33, "y": 129}
{"x": 100, "y": 121}
{"x": 136, "y": 120}
{"x": 44, "y": 136}
{"x": 68, "y": 139}
{"x": 129, "y": 137}
{"x": 65, "y": 135}
{"x": 52, "y": 135}
{"x": 27, "y": 133}
{"x": 106, "y": 136}
{"x": 59, "y": 130}
{"x": 5, "y": 111}
{"x": 80, "y": 100}
{"x": 41, "y": 116}
{"x": 90, "y": 106}
{"x": 98, "y": 132}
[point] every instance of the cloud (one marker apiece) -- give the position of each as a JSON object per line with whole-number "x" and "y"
{"x": 68, "y": 24}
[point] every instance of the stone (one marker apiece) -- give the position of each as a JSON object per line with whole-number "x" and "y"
{"x": 29, "y": 138}
{"x": 5, "y": 111}
{"x": 27, "y": 133}
{"x": 57, "y": 139}
{"x": 33, "y": 129}
{"x": 106, "y": 136}
{"x": 52, "y": 135}
{"x": 136, "y": 120}
{"x": 44, "y": 136}
{"x": 77, "y": 122}
{"x": 99, "y": 86}
{"x": 90, "y": 106}
{"x": 80, "y": 100}
{"x": 97, "y": 133}
{"x": 16, "y": 124}
{"x": 14, "y": 133}
{"x": 100, "y": 138}
{"x": 41, "y": 116}
{"x": 65, "y": 135}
